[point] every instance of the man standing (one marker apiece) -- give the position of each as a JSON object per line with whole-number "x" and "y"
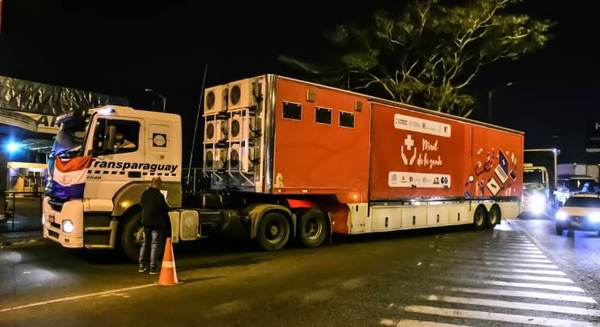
{"x": 155, "y": 219}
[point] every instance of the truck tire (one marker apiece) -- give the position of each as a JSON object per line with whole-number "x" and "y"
{"x": 479, "y": 217}
{"x": 312, "y": 228}
{"x": 559, "y": 229}
{"x": 273, "y": 231}
{"x": 493, "y": 217}
{"x": 132, "y": 236}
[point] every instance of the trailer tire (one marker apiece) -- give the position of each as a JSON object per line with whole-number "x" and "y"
{"x": 313, "y": 228}
{"x": 493, "y": 216}
{"x": 273, "y": 231}
{"x": 479, "y": 217}
{"x": 132, "y": 236}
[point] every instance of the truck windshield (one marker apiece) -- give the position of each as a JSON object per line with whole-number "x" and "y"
{"x": 576, "y": 201}
{"x": 69, "y": 139}
{"x": 531, "y": 177}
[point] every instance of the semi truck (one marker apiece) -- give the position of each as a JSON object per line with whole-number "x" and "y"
{"x": 539, "y": 181}
{"x": 287, "y": 160}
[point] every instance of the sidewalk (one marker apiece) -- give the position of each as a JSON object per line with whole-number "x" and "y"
{"x": 14, "y": 238}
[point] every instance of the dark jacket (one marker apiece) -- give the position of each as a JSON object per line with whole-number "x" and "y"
{"x": 155, "y": 211}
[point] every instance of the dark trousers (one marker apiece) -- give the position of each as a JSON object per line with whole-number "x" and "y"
{"x": 152, "y": 247}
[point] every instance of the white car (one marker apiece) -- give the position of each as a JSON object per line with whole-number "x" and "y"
{"x": 580, "y": 212}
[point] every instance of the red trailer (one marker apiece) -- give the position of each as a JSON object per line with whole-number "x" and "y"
{"x": 322, "y": 159}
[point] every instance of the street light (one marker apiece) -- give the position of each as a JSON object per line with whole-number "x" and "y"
{"x": 490, "y": 95}
{"x": 162, "y": 97}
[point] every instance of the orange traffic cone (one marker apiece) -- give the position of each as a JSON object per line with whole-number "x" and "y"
{"x": 168, "y": 274}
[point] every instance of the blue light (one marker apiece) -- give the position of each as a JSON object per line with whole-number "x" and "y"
{"x": 595, "y": 217}
{"x": 13, "y": 147}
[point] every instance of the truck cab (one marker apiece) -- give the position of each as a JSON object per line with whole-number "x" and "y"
{"x": 100, "y": 164}
{"x": 536, "y": 190}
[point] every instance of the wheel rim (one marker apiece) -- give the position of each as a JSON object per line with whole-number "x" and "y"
{"x": 313, "y": 229}
{"x": 479, "y": 218}
{"x": 275, "y": 232}
{"x": 493, "y": 216}
{"x": 138, "y": 236}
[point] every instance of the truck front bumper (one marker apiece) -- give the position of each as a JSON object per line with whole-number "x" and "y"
{"x": 64, "y": 224}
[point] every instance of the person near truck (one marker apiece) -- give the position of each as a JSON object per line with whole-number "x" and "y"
{"x": 155, "y": 219}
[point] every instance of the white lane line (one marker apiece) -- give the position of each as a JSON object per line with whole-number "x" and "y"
{"x": 511, "y": 251}
{"x": 77, "y": 297}
{"x": 528, "y": 294}
{"x": 494, "y": 316}
{"x": 515, "y": 264}
{"x": 517, "y": 270}
{"x": 514, "y": 305}
{"x": 493, "y": 258}
{"x": 420, "y": 323}
{"x": 528, "y": 277}
{"x": 508, "y": 256}
{"x": 527, "y": 285}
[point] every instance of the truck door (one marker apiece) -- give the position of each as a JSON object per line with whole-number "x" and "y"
{"x": 118, "y": 156}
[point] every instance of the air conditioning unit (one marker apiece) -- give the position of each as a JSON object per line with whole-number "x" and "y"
{"x": 240, "y": 158}
{"x": 214, "y": 158}
{"x": 240, "y": 126}
{"x": 215, "y": 99}
{"x": 215, "y": 130}
{"x": 243, "y": 93}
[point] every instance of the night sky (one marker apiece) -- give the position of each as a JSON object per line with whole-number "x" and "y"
{"x": 121, "y": 49}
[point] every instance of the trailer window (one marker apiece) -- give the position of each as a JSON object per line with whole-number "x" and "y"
{"x": 323, "y": 115}
{"x": 346, "y": 119}
{"x": 292, "y": 111}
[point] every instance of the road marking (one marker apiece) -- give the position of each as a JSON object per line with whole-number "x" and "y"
{"x": 421, "y": 323}
{"x": 515, "y": 264}
{"x": 519, "y": 270}
{"x": 528, "y": 277}
{"x": 77, "y": 297}
{"x": 514, "y": 305}
{"x": 493, "y": 316}
{"x": 529, "y": 294}
{"x": 528, "y": 285}
{"x": 492, "y": 258}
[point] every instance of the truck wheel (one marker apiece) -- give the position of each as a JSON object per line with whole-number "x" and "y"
{"x": 479, "y": 217}
{"x": 312, "y": 229}
{"x": 493, "y": 217}
{"x": 559, "y": 230}
{"x": 273, "y": 231}
{"x": 132, "y": 236}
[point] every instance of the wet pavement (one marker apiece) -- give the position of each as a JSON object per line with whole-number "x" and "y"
{"x": 516, "y": 275}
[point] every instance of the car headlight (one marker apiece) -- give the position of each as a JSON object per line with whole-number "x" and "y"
{"x": 67, "y": 226}
{"x": 538, "y": 203}
{"x": 594, "y": 217}
{"x": 561, "y": 215}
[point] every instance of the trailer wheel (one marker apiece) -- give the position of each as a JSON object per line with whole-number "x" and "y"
{"x": 132, "y": 236}
{"x": 312, "y": 229}
{"x": 493, "y": 217}
{"x": 273, "y": 231}
{"x": 479, "y": 217}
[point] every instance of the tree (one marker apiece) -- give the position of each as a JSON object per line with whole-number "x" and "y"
{"x": 428, "y": 53}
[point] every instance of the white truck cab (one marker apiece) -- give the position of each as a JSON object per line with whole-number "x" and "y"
{"x": 115, "y": 152}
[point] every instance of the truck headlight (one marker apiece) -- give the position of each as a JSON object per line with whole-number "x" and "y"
{"x": 538, "y": 203}
{"x": 43, "y": 220}
{"x": 67, "y": 226}
{"x": 561, "y": 215}
{"x": 595, "y": 217}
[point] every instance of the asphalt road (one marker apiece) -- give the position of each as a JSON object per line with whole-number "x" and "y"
{"x": 455, "y": 276}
